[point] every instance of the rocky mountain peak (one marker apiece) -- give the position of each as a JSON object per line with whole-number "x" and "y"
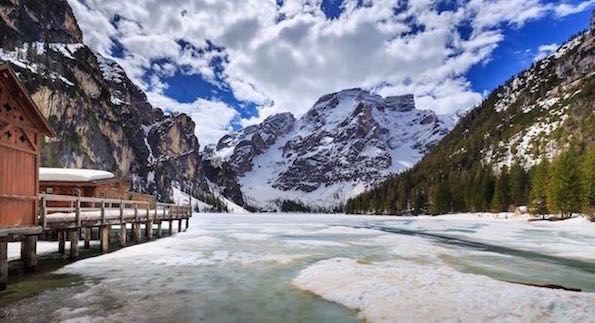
{"x": 346, "y": 142}
{"x": 48, "y": 21}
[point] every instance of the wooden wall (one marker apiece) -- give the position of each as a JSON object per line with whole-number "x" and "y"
{"x": 18, "y": 164}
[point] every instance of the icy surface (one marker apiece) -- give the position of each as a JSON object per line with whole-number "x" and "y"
{"x": 299, "y": 268}
{"x": 408, "y": 292}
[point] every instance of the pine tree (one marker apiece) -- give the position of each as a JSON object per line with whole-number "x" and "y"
{"x": 588, "y": 182}
{"x": 501, "y": 198}
{"x": 538, "y": 194}
{"x": 564, "y": 185}
{"x": 440, "y": 196}
{"x": 518, "y": 185}
{"x": 486, "y": 192}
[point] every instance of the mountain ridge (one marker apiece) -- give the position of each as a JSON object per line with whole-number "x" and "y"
{"x": 539, "y": 113}
{"x": 344, "y": 143}
{"x": 101, "y": 118}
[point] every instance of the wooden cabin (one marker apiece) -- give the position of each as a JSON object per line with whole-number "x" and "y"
{"x": 21, "y": 127}
{"x": 87, "y": 183}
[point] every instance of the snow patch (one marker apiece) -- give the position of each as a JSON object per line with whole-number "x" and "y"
{"x": 409, "y": 292}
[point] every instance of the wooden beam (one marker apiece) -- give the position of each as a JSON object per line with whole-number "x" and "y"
{"x": 123, "y": 234}
{"x": 3, "y": 264}
{"x": 149, "y": 230}
{"x": 43, "y": 213}
{"x": 104, "y": 238}
{"x": 88, "y": 237}
{"x": 159, "y": 229}
{"x": 29, "y": 252}
{"x": 74, "y": 244}
{"x": 62, "y": 242}
{"x": 137, "y": 231}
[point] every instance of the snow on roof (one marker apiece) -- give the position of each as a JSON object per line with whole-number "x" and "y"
{"x": 73, "y": 175}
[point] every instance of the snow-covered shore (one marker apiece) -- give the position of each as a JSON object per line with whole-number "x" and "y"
{"x": 409, "y": 292}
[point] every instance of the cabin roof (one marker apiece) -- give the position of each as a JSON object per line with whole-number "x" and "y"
{"x": 12, "y": 82}
{"x": 73, "y": 175}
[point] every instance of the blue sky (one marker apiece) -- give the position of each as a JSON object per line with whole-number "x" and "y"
{"x": 232, "y": 63}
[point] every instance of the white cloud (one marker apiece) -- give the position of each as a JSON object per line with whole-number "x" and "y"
{"x": 545, "y": 50}
{"x": 565, "y": 9}
{"x": 283, "y": 58}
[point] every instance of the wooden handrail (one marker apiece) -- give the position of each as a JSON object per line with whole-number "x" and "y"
{"x": 68, "y": 198}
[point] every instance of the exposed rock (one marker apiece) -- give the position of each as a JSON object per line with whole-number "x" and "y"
{"x": 101, "y": 119}
{"x": 347, "y": 142}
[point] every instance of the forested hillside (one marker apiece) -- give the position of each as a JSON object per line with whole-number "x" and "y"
{"x": 531, "y": 142}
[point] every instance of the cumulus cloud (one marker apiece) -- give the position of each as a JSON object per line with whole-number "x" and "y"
{"x": 284, "y": 57}
{"x": 545, "y": 50}
{"x": 566, "y": 9}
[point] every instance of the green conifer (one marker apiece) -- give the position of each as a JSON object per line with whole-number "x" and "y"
{"x": 564, "y": 185}
{"x": 588, "y": 182}
{"x": 539, "y": 183}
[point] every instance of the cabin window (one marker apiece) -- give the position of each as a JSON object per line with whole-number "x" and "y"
{"x": 49, "y": 190}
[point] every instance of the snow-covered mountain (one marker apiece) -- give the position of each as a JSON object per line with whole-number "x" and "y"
{"x": 102, "y": 120}
{"x": 347, "y": 142}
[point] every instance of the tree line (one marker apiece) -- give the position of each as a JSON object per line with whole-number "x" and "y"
{"x": 564, "y": 186}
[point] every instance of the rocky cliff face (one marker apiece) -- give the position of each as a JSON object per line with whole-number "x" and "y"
{"x": 102, "y": 120}
{"x": 347, "y": 142}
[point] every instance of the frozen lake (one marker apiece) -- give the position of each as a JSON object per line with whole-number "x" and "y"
{"x": 331, "y": 268}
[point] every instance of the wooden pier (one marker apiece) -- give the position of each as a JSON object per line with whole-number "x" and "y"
{"x": 81, "y": 217}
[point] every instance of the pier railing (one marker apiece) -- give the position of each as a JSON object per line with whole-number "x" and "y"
{"x": 92, "y": 211}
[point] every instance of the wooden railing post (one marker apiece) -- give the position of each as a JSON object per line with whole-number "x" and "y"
{"x": 122, "y": 225}
{"x": 77, "y": 213}
{"x": 171, "y": 221}
{"x": 43, "y": 220}
{"x": 149, "y": 225}
{"x": 102, "y": 212}
{"x": 136, "y": 225}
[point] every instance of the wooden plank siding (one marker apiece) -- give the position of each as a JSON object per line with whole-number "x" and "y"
{"x": 21, "y": 127}
{"x": 19, "y": 165}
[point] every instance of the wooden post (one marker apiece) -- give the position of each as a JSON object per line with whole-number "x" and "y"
{"x": 180, "y": 225}
{"x": 171, "y": 221}
{"x": 123, "y": 235}
{"x": 74, "y": 244}
{"x": 43, "y": 213}
{"x": 159, "y": 229}
{"x": 149, "y": 230}
{"x": 137, "y": 231}
{"x": 88, "y": 237}
{"x": 3, "y": 264}
{"x": 104, "y": 238}
{"x": 187, "y": 223}
{"x": 135, "y": 212}
{"x": 102, "y": 213}
{"x": 28, "y": 252}
{"x": 61, "y": 242}
{"x": 149, "y": 225}
{"x": 77, "y": 213}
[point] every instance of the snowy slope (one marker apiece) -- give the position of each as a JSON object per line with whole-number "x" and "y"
{"x": 181, "y": 198}
{"x": 347, "y": 142}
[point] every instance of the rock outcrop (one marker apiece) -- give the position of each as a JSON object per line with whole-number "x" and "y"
{"x": 347, "y": 142}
